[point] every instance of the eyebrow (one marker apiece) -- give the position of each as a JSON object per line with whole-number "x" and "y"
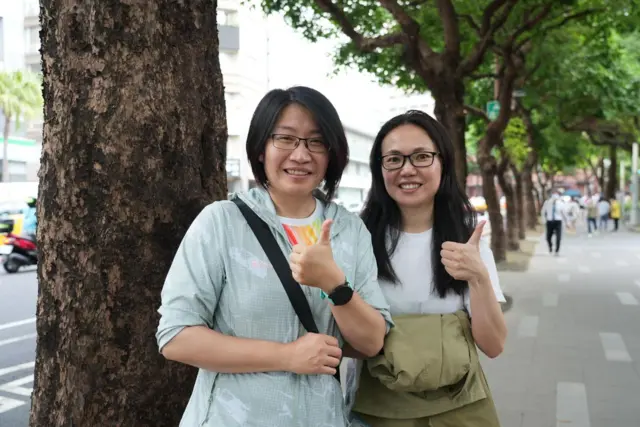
{"x": 291, "y": 129}
{"x": 416, "y": 150}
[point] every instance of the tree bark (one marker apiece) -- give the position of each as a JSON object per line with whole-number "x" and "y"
{"x": 134, "y": 147}
{"x": 488, "y": 170}
{"x": 449, "y": 111}
{"x": 513, "y": 243}
{"x": 521, "y": 213}
{"x": 612, "y": 175}
{"x": 530, "y": 195}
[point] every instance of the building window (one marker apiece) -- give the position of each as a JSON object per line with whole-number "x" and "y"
{"x": 17, "y": 171}
{"x": 227, "y": 17}
{"x": 32, "y": 39}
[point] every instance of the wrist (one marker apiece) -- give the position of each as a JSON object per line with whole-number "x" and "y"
{"x": 334, "y": 278}
{"x": 284, "y": 356}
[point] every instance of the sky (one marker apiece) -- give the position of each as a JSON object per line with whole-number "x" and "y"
{"x": 359, "y": 99}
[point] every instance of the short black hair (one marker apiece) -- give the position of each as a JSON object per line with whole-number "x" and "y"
{"x": 264, "y": 120}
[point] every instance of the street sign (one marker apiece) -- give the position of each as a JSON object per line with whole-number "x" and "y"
{"x": 493, "y": 109}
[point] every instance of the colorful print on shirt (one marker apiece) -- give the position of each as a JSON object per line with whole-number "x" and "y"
{"x": 303, "y": 234}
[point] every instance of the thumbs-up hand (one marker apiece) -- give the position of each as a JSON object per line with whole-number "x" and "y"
{"x": 314, "y": 265}
{"x": 462, "y": 260}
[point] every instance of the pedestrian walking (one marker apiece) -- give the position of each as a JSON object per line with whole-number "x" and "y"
{"x": 553, "y": 214}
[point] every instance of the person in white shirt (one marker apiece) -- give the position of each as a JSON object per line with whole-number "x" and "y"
{"x": 553, "y": 213}
{"x": 430, "y": 253}
{"x": 573, "y": 213}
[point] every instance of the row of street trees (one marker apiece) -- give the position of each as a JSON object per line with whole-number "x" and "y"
{"x": 572, "y": 65}
{"x": 135, "y": 145}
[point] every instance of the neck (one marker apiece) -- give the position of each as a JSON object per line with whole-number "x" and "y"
{"x": 293, "y": 206}
{"x": 417, "y": 219}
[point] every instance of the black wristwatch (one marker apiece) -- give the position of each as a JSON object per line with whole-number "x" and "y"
{"x": 342, "y": 294}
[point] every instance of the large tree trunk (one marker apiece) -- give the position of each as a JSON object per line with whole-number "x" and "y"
{"x": 530, "y": 196}
{"x": 449, "y": 111}
{"x": 612, "y": 175}
{"x": 513, "y": 243}
{"x": 134, "y": 147}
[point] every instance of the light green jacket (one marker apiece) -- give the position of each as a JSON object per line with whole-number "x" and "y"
{"x": 222, "y": 279}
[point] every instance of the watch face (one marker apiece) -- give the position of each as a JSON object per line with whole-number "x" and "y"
{"x": 341, "y": 295}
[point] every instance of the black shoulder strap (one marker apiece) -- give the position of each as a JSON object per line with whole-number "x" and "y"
{"x": 280, "y": 265}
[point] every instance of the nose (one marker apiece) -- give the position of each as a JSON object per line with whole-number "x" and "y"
{"x": 407, "y": 169}
{"x": 300, "y": 154}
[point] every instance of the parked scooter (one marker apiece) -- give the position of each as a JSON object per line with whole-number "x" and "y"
{"x": 18, "y": 251}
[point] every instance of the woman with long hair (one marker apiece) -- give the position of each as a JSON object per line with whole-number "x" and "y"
{"x": 224, "y": 306}
{"x": 440, "y": 279}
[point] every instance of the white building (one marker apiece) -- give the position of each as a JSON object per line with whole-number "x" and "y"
{"x": 253, "y": 52}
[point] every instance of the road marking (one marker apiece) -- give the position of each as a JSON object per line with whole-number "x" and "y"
{"x": 15, "y": 386}
{"x": 18, "y": 323}
{"x": 17, "y": 339}
{"x": 571, "y": 405}
{"x": 621, "y": 263}
{"x": 16, "y": 368}
{"x": 550, "y": 299}
{"x": 614, "y": 348}
{"x": 596, "y": 254}
{"x": 528, "y": 327}
{"x": 565, "y": 277}
{"x": 584, "y": 269}
{"x": 627, "y": 298}
{"x": 562, "y": 260}
{"x": 7, "y": 404}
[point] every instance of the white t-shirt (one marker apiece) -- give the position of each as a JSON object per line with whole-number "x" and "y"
{"x": 413, "y": 294}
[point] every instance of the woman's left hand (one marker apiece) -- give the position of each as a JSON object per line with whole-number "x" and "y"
{"x": 314, "y": 265}
{"x": 462, "y": 260}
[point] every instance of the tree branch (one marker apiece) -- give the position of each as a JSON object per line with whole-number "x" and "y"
{"x": 364, "y": 44}
{"x": 487, "y": 30}
{"x": 484, "y": 76}
{"x": 469, "y": 109}
{"x": 547, "y": 29}
{"x": 529, "y": 24}
{"x": 450, "y": 27}
{"x": 409, "y": 26}
{"x": 472, "y": 23}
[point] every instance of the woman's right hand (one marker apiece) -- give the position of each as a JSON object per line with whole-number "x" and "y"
{"x": 314, "y": 354}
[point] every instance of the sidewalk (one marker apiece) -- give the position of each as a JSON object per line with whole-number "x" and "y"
{"x": 572, "y": 357}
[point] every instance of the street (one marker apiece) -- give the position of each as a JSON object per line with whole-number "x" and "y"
{"x": 18, "y": 295}
{"x": 572, "y": 356}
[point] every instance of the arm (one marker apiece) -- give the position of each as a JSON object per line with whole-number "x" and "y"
{"x": 365, "y": 320}
{"x": 189, "y": 299}
{"x": 488, "y": 325}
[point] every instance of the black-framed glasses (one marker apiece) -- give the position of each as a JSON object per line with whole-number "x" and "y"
{"x": 421, "y": 159}
{"x": 290, "y": 142}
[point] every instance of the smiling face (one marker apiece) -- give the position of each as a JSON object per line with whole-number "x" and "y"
{"x": 295, "y": 172}
{"x": 410, "y": 186}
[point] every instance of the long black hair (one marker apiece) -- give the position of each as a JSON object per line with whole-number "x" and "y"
{"x": 266, "y": 115}
{"x": 453, "y": 216}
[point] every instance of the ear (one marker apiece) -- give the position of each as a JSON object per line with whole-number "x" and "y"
{"x": 261, "y": 158}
